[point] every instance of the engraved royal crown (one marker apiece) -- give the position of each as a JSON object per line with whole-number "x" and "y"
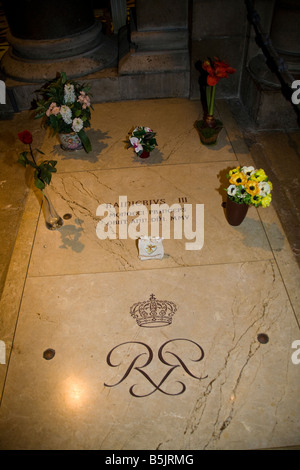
{"x": 153, "y": 312}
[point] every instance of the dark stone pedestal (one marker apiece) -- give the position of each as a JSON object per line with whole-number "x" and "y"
{"x": 263, "y": 96}
{"x": 50, "y": 37}
{"x": 41, "y": 20}
{"x": 158, "y": 54}
{"x": 285, "y": 33}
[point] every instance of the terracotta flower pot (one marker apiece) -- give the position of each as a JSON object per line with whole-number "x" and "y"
{"x": 235, "y": 212}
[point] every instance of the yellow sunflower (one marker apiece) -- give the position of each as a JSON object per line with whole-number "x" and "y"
{"x": 238, "y": 178}
{"x": 252, "y": 188}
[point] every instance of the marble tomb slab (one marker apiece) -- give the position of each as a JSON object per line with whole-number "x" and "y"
{"x": 172, "y": 119}
{"x": 113, "y": 384}
{"x": 76, "y": 248}
{"x": 202, "y": 382}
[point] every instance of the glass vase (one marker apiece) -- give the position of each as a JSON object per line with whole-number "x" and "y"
{"x": 52, "y": 219}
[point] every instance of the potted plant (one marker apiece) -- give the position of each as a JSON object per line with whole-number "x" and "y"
{"x": 42, "y": 177}
{"x": 143, "y": 141}
{"x": 209, "y": 127}
{"x": 65, "y": 107}
{"x": 248, "y": 187}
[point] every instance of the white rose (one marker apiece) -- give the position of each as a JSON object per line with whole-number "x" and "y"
{"x": 77, "y": 124}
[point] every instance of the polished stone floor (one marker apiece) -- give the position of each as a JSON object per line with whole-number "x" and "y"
{"x": 203, "y": 378}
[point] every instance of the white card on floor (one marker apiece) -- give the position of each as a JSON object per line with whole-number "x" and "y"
{"x": 151, "y": 248}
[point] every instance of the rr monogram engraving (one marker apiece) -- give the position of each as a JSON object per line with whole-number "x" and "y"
{"x": 162, "y": 354}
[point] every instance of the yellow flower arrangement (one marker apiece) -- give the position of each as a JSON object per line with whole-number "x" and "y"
{"x": 249, "y": 186}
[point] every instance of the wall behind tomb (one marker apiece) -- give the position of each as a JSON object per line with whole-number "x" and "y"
{"x": 155, "y": 54}
{"x": 220, "y": 29}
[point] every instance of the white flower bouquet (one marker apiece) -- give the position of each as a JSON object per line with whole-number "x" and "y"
{"x": 65, "y": 107}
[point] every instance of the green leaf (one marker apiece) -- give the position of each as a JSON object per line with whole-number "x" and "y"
{"x": 39, "y": 183}
{"x": 39, "y": 115}
{"x": 23, "y": 158}
{"x": 22, "y": 161}
{"x": 85, "y": 141}
{"x": 63, "y": 77}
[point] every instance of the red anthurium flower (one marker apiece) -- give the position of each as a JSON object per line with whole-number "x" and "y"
{"x": 207, "y": 66}
{"x": 222, "y": 69}
{"x": 216, "y": 70}
{"x": 211, "y": 77}
{"x": 25, "y": 137}
{"x": 212, "y": 80}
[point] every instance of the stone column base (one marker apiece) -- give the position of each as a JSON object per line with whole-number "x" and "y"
{"x": 77, "y": 55}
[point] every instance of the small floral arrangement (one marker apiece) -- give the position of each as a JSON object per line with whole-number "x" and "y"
{"x": 43, "y": 171}
{"x": 216, "y": 69}
{"x": 142, "y": 140}
{"x": 249, "y": 186}
{"x": 65, "y": 107}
